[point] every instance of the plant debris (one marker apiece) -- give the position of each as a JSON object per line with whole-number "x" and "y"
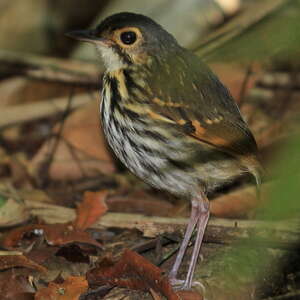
{"x": 132, "y": 271}
{"x": 70, "y": 289}
{"x": 11, "y": 261}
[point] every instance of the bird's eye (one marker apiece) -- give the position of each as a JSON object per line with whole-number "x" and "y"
{"x": 128, "y": 37}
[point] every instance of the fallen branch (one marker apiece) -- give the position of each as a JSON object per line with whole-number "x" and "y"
{"x": 50, "y": 69}
{"x": 221, "y": 231}
{"x": 12, "y": 115}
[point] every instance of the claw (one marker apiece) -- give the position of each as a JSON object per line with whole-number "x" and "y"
{"x": 179, "y": 284}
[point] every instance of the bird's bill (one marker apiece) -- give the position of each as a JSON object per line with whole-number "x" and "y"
{"x": 87, "y": 36}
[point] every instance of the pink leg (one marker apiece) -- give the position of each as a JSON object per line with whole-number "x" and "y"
{"x": 202, "y": 223}
{"x": 187, "y": 236}
{"x": 199, "y": 216}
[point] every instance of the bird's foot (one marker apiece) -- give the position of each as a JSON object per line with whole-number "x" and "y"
{"x": 176, "y": 283}
{"x": 179, "y": 284}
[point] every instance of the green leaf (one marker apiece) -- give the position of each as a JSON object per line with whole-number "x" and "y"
{"x": 2, "y": 200}
{"x": 268, "y": 29}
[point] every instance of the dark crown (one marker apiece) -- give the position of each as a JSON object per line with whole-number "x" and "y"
{"x": 152, "y": 31}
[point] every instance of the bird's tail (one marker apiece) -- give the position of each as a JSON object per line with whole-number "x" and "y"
{"x": 256, "y": 169}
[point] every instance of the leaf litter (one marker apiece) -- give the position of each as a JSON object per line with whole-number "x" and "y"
{"x": 57, "y": 237}
{"x": 70, "y": 289}
{"x": 41, "y": 242}
{"x": 88, "y": 212}
{"x": 63, "y": 241}
{"x": 133, "y": 271}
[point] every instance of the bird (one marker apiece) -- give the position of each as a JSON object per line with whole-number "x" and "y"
{"x": 169, "y": 119}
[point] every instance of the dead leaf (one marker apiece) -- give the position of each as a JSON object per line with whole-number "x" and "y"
{"x": 70, "y": 289}
{"x": 61, "y": 234}
{"x": 189, "y": 295}
{"x": 13, "y": 213}
{"x": 34, "y": 195}
{"x": 55, "y": 234}
{"x": 81, "y": 151}
{"x": 58, "y": 234}
{"x": 11, "y": 261}
{"x": 132, "y": 271}
{"x": 14, "y": 286}
{"x": 42, "y": 253}
{"x": 155, "y": 295}
{"x": 21, "y": 90}
{"x": 90, "y": 209}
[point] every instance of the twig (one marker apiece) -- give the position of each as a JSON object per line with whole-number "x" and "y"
{"x": 48, "y": 161}
{"x": 242, "y": 94}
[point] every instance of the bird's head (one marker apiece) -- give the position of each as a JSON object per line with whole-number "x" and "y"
{"x": 127, "y": 39}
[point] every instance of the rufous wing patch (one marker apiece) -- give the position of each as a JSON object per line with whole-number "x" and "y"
{"x": 205, "y": 135}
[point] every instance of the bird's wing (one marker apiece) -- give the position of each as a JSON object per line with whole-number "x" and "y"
{"x": 202, "y": 108}
{"x": 231, "y": 136}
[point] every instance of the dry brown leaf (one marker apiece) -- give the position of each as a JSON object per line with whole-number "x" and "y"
{"x": 239, "y": 203}
{"x": 12, "y": 213}
{"x": 21, "y": 90}
{"x": 10, "y": 90}
{"x": 90, "y": 209}
{"x": 132, "y": 271}
{"x": 189, "y": 295}
{"x": 42, "y": 253}
{"x": 140, "y": 202}
{"x": 88, "y": 212}
{"x": 155, "y": 295}
{"x": 11, "y": 261}
{"x": 55, "y": 234}
{"x": 14, "y": 286}
{"x": 81, "y": 151}
{"x": 70, "y": 289}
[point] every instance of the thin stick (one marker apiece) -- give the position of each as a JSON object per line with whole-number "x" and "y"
{"x": 17, "y": 114}
{"x": 50, "y": 69}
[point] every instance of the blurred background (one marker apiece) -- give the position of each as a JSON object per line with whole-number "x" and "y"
{"x": 39, "y": 26}
{"x": 52, "y": 149}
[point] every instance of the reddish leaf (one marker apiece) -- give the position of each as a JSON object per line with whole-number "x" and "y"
{"x": 42, "y": 253}
{"x": 55, "y": 234}
{"x": 11, "y": 261}
{"x": 132, "y": 271}
{"x": 61, "y": 234}
{"x": 91, "y": 209}
{"x": 70, "y": 289}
